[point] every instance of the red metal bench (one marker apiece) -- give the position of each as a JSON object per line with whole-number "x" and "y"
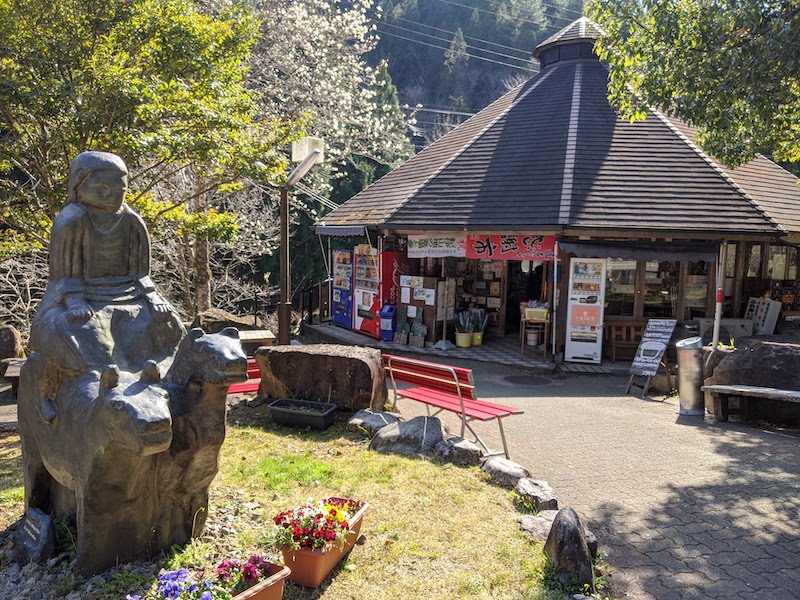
{"x": 446, "y": 388}
{"x": 253, "y": 379}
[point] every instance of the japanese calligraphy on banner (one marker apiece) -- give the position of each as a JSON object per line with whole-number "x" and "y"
{"x": 511, "y": 247}
{"x": 426, "y": 245}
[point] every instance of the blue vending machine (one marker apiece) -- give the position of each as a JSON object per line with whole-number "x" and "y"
{"x": 342, "y": 289}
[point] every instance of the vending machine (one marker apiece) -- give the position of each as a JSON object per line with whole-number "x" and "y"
{"x": 367, "y": 299}
{"x": 586, "y": 294}
{"x": 342, "y": 288}
{"x": 376, "y": 276}
{"x": 393, "y": 265}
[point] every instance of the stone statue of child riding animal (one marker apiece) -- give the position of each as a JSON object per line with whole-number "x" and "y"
{"x": 105, "y": 441}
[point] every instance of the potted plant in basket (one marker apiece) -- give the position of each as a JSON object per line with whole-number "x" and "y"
{"x": 256, "y": 579}
{"x": 464, "y": 327}
{"x": 315, "y": 537}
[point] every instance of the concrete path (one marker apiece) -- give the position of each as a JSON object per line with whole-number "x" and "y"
{"x": 683, "y": 507}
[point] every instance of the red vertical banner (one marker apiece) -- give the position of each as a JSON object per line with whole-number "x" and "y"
{"x": 511, "y": 247}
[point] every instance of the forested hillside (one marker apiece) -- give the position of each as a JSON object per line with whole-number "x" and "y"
{"x": 454, "y": 57}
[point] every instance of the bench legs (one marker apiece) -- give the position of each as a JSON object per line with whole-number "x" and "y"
{"x": 487, "y": 451}
{"x": 722, "y": 407}
{"x": 465, "y": 425}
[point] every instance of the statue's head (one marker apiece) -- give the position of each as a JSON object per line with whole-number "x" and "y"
{"x": 97, "y": 180}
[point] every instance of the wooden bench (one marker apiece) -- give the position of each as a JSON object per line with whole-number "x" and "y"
{"x": 10, "y": 371}
{"x": 446, "y": 388}
{"x": 721, "y": 395}
{"x": 623, "y": 334}
{"x": 253, "y": 379}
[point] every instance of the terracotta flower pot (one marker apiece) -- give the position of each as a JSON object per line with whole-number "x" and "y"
{"x": 269, "y": 589}
{"x": 310, "y": 567}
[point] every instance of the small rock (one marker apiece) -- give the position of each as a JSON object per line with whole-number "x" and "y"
{"x": 537, "y": 493}
{"x": 371, "y": 421}
{"x": 504, "y": 472}
{"x": 417, "y": 436}
{"x": 539, "y": 525}
{"x": 458, "y": 451}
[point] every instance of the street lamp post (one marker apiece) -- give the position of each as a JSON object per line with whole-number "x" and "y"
{"x": 313, "y": 156}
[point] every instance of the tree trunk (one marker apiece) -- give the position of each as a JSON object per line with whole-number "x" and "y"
{"x": 202, "y": 275}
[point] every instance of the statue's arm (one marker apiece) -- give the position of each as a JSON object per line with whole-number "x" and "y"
{"x": 140, "y": 267}
{"x": 66, "y": 284}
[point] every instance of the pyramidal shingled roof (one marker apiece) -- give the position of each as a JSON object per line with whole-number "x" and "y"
{"x": 583, "y": 29}
{"x": 552, "y": 154}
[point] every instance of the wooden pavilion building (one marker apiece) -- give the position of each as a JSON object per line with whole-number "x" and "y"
{"x": 552, "y": 159}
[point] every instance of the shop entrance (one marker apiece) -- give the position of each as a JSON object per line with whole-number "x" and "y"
{"x": 526, "y": 281}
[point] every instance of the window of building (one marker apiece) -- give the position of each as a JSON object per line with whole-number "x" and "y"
{"x": 620, "y": 286}
{"x": 776, "y": 266}
{"x": 752, "y": 259}
{"x": 730, "y": 260}
{"x": 695, "y": 294}
{"x": 661, "y": 289}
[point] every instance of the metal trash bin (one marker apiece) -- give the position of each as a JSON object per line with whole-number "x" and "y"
{"x": 690, "y": 376}
{"x": 388, "y": 316}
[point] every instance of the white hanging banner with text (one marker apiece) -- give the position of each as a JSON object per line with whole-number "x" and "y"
{"x": 436, "y": 245}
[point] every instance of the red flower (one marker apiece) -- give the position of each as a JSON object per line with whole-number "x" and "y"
{"x": 250, "y": 573}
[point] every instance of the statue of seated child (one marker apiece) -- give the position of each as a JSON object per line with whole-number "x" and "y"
{"x": 101, "y": 306}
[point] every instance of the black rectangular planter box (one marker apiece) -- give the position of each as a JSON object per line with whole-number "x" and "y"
{"x": 302, "y": 413}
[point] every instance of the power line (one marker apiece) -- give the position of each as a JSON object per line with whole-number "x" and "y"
{"x": 448, "y": 41}
{"x": 497, "y": 62}
{"x": 438, "y": 123}
{"x": 491, "y": 12}
{"x": 554, "y": 7}
{"x": 439, "y": 111}
{"x": 468, "y": 37}
{"x": 326, "y": 202}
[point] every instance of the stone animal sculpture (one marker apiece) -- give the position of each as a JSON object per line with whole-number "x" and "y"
{"x": 204, "y": 367}
{"x": 132, "y": 463}
{"x": 104, "y": 441}
{"x": 82, "y": 437}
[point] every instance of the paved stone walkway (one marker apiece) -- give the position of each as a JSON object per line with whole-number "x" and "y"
{"x": 683, "y": 507}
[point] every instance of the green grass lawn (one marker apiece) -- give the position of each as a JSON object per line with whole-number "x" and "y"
{"x": 432, "y": 531}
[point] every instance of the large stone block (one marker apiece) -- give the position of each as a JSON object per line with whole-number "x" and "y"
{"x": 351, "y": 375}
{"x": 762, "y": 364}
{"x": 10, "y": 342}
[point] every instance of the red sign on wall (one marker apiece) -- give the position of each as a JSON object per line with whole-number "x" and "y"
{"x": 511, "y": 247}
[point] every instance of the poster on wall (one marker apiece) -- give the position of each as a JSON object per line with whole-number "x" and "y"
{"x": 587, "y": 280}
{"x": 436, "y": 245}
{"x": 511, "y": 246}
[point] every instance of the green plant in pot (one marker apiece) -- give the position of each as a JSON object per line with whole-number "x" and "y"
{"x": 465, "y": 325}
{"x": 480, "y": 321}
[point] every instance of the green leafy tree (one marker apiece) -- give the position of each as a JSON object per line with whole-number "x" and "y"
{"x": 730, "y": 68}
{"x": 154, "y": 81}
